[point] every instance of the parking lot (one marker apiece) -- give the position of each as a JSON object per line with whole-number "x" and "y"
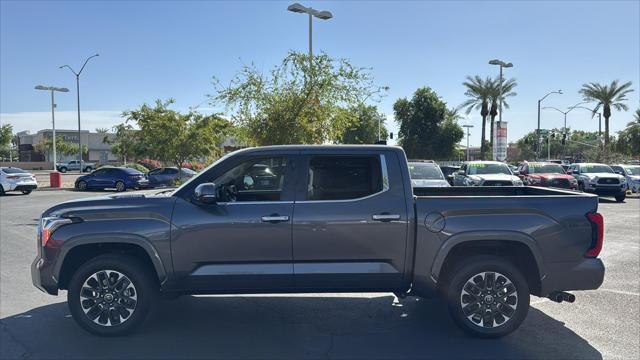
{"x": 601, "y": 324}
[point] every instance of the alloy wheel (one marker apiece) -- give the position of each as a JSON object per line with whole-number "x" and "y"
{"x": 489, "y": 299}
{"x": 108, "y": 298}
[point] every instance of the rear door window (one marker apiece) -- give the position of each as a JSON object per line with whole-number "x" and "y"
{"x": 343, "y": 177}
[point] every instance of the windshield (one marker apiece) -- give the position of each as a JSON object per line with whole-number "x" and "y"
{"x": 13, "y": 171}
{"x": 596, "y": 169}
{"x": 632, "y": 170}
{"x": 420, "y": 171}
{"x": 545, "y": 169}
{"x": 488, "y": 168}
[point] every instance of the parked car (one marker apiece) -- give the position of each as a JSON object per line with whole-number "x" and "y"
{"x": 426, "y": 173}
{"x": 599, "y": 179}
{"x": 16, "y": 179}
{"x": 546, "y": 174}
{"x": 119, "y": 178}
{"x": 448, "y": 171}
{"x": 631, "y": 174}
{"x": 168, "y": 176}
{"x": 485, "y": 173}
{"x": 336, "y": 218}
{"x": 74, "y": 165}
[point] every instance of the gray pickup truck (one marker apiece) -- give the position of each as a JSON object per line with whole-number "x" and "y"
{"x": 74, "y": 165}
{"x": 291, "y": 219}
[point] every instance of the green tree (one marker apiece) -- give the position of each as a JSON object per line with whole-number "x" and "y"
{"x": 479, "y": 93}
{"x": 6, "y": 134}
{"x": 362, "y": 124}
{"x": 425, "y": 132}
{"x": 176, "y": 138}
{"x": 629, "y": 139}
{"x": 497, "y": 93}
{"x": 295, "y": 102}
{"x": 607, "y": 97}
{"x": 102, "y": 130}
{"x": 62, "y": 147}
{"x": 124, "y": 141}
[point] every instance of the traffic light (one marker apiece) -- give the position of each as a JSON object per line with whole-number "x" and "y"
{"x": 564, "y": 138}
{"x": 553, "y": 135}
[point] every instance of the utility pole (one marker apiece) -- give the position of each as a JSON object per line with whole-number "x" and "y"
{"x": 538, "y": 132}
{"x": 468, "y": 133}
{"x": 53, "y": 116}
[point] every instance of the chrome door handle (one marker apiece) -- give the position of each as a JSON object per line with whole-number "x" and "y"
{"x": 275, "y": 218}
{"x": 385, "y": 217}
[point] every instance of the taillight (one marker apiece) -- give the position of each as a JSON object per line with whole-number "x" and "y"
{"x": 597, "y": 234}
{"x": 13, "y": 177}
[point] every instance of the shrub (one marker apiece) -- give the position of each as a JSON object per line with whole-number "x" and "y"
{"x": 195, "y": 166}
{"x": 149, "y": 163}
{"x": 137, "y": 167}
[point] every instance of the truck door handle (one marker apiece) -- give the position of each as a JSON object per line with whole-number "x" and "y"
{"x": 385, "y": 217}
{"x": 275, "y": 218}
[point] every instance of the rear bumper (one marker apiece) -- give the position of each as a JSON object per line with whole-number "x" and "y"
{"x": 586, "y": 274}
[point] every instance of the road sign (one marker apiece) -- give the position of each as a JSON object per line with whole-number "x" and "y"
{"x": 544, "y": 131}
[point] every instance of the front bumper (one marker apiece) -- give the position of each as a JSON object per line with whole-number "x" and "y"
{"x": 605, "y": 190}
{"x": 586, "y": 274}
{"x": 42, "y": 276}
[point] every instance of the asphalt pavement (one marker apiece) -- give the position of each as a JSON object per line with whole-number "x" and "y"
{"x": 601, "y": 324}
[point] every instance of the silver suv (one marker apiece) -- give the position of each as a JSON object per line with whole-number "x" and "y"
{"x": 599, "y": 179}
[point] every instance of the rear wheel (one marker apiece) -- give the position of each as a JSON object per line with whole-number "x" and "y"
{"x": 488, "y": 297}
{"x": 110, "y": 295}
{"x": 88, "y": 169}
{"x": 621, "y": 197}
{"x": 120, "y": 187}
{"x": 63, "y": 169}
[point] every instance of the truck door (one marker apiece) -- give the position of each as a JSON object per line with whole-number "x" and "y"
{"x": 243, "y": 241}
{"x": 350, "y": 221}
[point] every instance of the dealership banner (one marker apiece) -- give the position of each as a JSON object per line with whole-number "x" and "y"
{"x": 500, "y": 141}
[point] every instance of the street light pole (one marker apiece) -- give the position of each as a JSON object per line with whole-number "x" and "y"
{"x": 53, "y": 116}
{"x": 468, "y": 133}
{"x": 538, "y": 132}
{"x": 77, "y": 74}
{"x": 323, "y": 15}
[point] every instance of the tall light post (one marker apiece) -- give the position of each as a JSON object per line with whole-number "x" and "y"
{"x": 593, "y": 111}
{"x": 502, "y": 64}
{"x": 570, "y": 108}
{"x": 77, "y": 74}
{"x": 468, "y": 133}
{"x": 53, "y": 116}
{"x": 538, "y": 132}
{"x": 323, "y": 15}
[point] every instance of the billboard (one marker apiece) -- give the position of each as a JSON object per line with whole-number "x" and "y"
{"x": 500, "y": 141}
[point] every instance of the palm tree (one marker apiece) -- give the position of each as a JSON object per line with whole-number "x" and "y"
{"x": 479, "y": 94}
{"x": 607, "y": 97}
{"x": 507, "y": 91}
{"x": 453, "y": 114}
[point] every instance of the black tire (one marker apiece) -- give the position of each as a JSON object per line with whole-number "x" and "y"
{"x": 88, "y": 169}
{"x": 120, "y": 186}
{"x": 26, "y": 192}
{"x": 82, "y": 185}
{"x": 581, "y": 186}
{"x": 145, "y": 289}
{"x": 620, "y": 198}
{"x": 1, "y": 190}
{"x": 63, "y": 169}
{"x": 498, "y": 306}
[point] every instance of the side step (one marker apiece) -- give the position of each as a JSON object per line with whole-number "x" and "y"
{"x": 560, "y": 296}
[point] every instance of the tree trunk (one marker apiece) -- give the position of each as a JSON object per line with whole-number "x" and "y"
{"x": 484, "y": 126}
{"x": 606, "y": 132}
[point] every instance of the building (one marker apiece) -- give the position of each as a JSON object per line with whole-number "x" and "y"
{"x": 99, "y": 152}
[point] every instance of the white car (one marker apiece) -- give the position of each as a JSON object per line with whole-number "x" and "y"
{"x": 631, "y": 173}
{"x": 426, "y": 174}
{"x": 16, "y": 179}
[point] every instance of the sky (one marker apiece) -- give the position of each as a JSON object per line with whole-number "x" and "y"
{"x": 164, "y": 49}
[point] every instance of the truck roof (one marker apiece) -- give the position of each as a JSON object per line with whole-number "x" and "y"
{"x": 319, "y": 148}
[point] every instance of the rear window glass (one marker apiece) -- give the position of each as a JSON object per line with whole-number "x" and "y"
{"x": 13, "y": 171}
{"x": 420, "y": 171}
{"x": 342, "y": 178}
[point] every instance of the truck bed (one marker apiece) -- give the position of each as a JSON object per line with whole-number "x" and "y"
{"x": 481, "y": 191}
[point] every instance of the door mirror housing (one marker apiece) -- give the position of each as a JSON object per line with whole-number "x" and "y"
{"x": 461, "y": 172}
{"x": 569, "y": 172}
{"x": 206, "y": 193}
{"x": 516, "y": 173}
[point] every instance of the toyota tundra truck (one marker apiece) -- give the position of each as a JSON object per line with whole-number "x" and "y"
{"x": 320, "y": 219}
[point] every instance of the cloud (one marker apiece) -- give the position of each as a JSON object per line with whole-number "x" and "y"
{"x": 67, "y": 120}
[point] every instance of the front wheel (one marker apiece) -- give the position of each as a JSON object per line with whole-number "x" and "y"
{"x": 110, "y": 295}
{"x": 488, "y": 297}
{"x": 88, "y": 169}
{"x": 82, "y": 185}
{"x": 120, "y": 187}
{"x": 621, "y": 197}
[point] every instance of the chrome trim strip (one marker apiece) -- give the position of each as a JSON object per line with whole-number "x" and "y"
{"x": 383, "y": 217}
{"x": 385, "y": 188}
{"x": 244, "y": 269}
{"x": 255, "y": 203}
{"x": 275, "y": 218}
{"x": 344, "y": 268}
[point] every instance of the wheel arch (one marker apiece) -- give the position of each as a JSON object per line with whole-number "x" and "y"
{"x": 77, "y": 251}
{"x": 519, "y": 248}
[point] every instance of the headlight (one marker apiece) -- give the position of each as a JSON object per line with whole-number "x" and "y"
{"x": 517, "y": 182}
{"x": 623, "y": 180}
{"x": 48, "y": 225}
{"x": 472, "y": 182}
{"x": 593, "y": 179}
{"x": 573, "y": 181}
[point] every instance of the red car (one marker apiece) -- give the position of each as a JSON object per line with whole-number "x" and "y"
{"x": 546, "y": 174}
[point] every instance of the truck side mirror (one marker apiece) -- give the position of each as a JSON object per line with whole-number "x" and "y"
{"x": 569, "y": 172}
{"x": 206, "y": 193}
{"x": 516, "y": 173}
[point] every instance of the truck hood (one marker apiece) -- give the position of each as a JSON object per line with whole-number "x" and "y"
{"x": 492, "y": 177}
{"x": 429, "y": 182}
{"x": 551, "y": 176}
{"x": 115, "y": 206}
{"x": 602, "y": 175}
